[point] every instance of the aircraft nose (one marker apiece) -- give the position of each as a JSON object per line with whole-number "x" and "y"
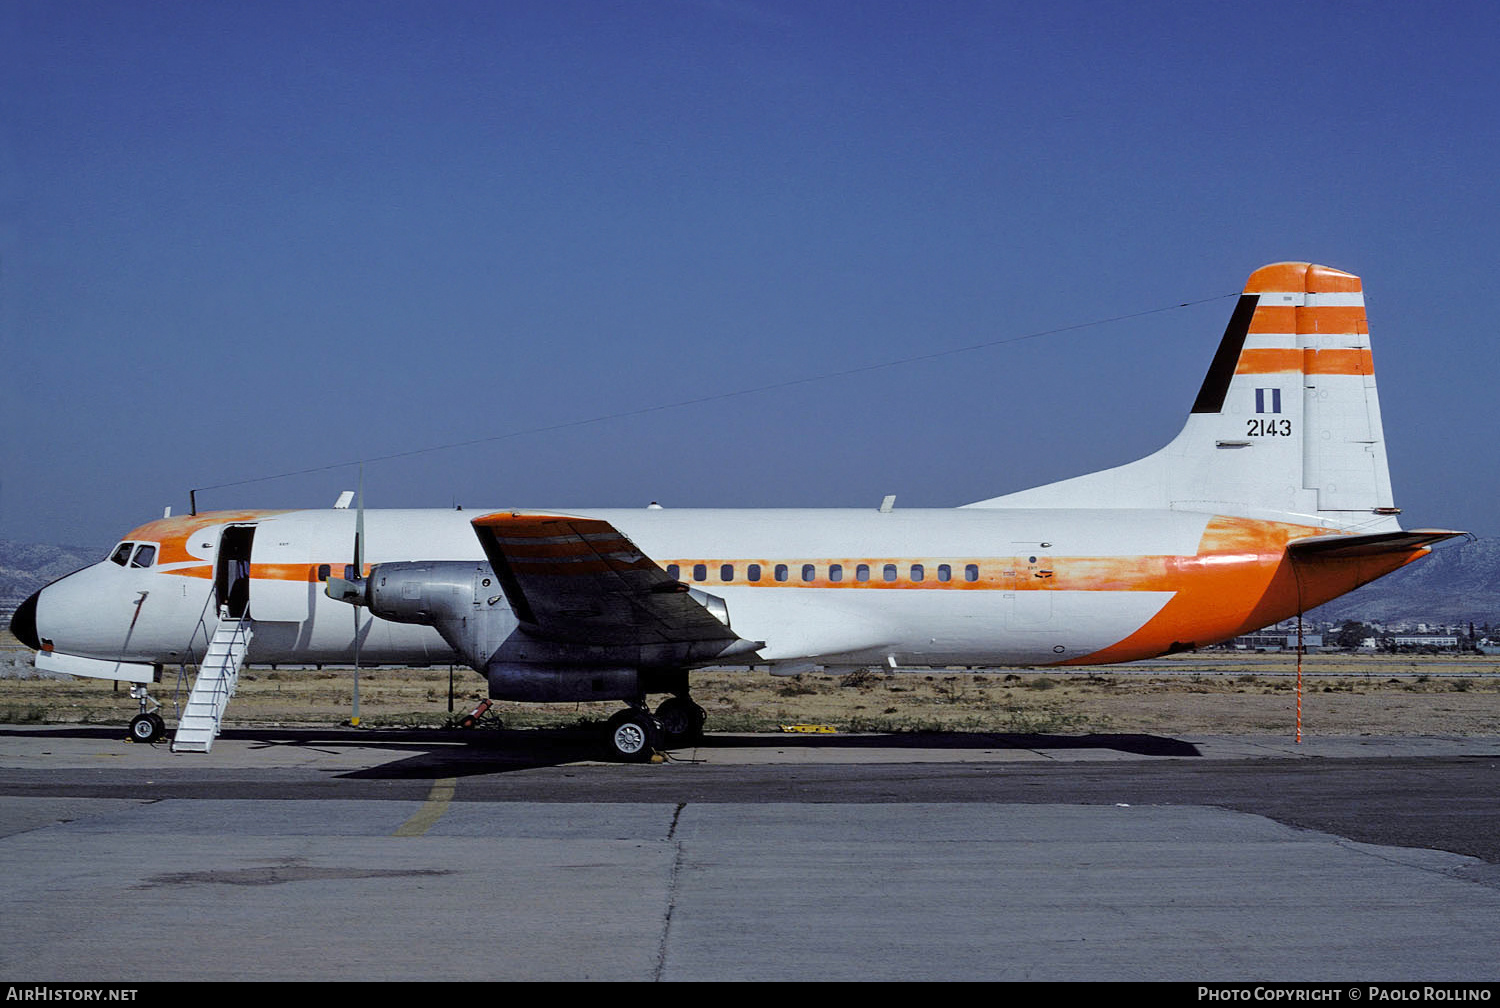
{"x": 23, "y": 623}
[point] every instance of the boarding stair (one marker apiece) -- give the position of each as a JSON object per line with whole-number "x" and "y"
{"x": 218, "y": 674}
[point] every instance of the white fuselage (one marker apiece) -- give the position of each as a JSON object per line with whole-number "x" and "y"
{"x": 829, "y": 587}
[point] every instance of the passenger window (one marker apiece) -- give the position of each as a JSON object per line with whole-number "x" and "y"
{"x": 122, "y": 553}
{"x": 752, "y": 573}
{"x": 862, "y": 572}
{"x": 145, "y": 556}
{"x": 674, "y": 572}
{"x": 945, "y": 572}
{"x": 835, "y": 572}
{"x": 781, "y": 572}
{"x": 700, "y": 572}
{"x": 971, "y": 572}
{"x": 726, "y": 572}
{"x": 323, "y": 571}
{"x": 917, "y": 573}
{"x": 809, "y": 572}
{"x": 888, "y": 572}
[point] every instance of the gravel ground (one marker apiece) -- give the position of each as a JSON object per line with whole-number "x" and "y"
{"x": 1206, "y": 693}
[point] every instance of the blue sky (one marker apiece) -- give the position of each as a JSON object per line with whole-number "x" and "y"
{"x": 247, "y": 239}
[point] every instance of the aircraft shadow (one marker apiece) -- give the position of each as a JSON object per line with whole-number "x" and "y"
{"x": 1140, "y": 745}
{"x": 472, "y": 753}
{"x": 434, "y": 753}
{"x": 503, "y": 751}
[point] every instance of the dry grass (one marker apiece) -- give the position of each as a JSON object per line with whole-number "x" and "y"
{"x": 1211, "y": 693}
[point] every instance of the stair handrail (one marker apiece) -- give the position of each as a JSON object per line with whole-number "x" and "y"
{"x": 209, "y": 602}
{"x": 225, "y": 685}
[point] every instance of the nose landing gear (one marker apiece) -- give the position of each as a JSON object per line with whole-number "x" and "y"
{"x": 147, "y": 726}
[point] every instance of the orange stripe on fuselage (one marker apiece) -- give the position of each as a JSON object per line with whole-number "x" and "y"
{"x": 1120, "y": 573}
{"x": 298, "y": 572}
{"x": 295, "y": 572}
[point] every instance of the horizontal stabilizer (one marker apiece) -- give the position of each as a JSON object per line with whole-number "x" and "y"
{"x": 1370, "y": 544}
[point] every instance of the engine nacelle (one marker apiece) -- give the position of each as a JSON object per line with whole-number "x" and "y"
{"x": 426, "y": 593}
{"x": 461, "y": 599}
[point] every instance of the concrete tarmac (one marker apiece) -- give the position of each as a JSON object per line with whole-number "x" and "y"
{"x": 373, "y": 855}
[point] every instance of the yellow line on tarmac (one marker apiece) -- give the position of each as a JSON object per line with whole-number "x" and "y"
{"x": 432, "y": 809}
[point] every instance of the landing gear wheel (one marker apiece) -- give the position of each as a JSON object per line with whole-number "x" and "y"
{"x": 147, "y": 728}
{"x": 633, "y": 736}
{"x": 681, "y": 720}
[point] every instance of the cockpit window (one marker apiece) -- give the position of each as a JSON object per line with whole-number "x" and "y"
{"x": 145, "y": 555}
{"x": 121, "y": 553}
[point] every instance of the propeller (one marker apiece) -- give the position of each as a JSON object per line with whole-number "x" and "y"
{"x": 352, "y": 588}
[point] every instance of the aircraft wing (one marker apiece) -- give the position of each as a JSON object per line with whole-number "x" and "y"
{"x": 1369, "y": 544}
{"x": 580, "y": 580}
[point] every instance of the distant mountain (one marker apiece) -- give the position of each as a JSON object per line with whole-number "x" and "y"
{"x": 25, "y": 567}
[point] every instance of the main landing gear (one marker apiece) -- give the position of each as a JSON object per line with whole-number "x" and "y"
{"x": 681, "y": 720}
{"x": 147, "y": 726}
{"x": 635, "y": 735}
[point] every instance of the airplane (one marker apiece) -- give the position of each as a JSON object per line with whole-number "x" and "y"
{"x": 1275, "y": 497}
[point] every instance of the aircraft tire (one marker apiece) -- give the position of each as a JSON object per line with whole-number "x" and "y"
{"x": 633, "y": 736}
{"x": 681, "y": 721}
{"x": 147, "y": 728}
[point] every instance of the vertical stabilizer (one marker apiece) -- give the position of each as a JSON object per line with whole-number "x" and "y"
{"x": 1286, "y": 424}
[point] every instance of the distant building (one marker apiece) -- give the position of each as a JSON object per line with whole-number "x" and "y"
{"x": 1276, "y": 641}
{"x": 1426, "y": 640}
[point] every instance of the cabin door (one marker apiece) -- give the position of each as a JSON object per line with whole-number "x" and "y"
{"x": 232, "y": 572}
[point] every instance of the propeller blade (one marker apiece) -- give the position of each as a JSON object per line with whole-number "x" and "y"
{"x": 359, "y": 528}
{"x": 359, "y": 584}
